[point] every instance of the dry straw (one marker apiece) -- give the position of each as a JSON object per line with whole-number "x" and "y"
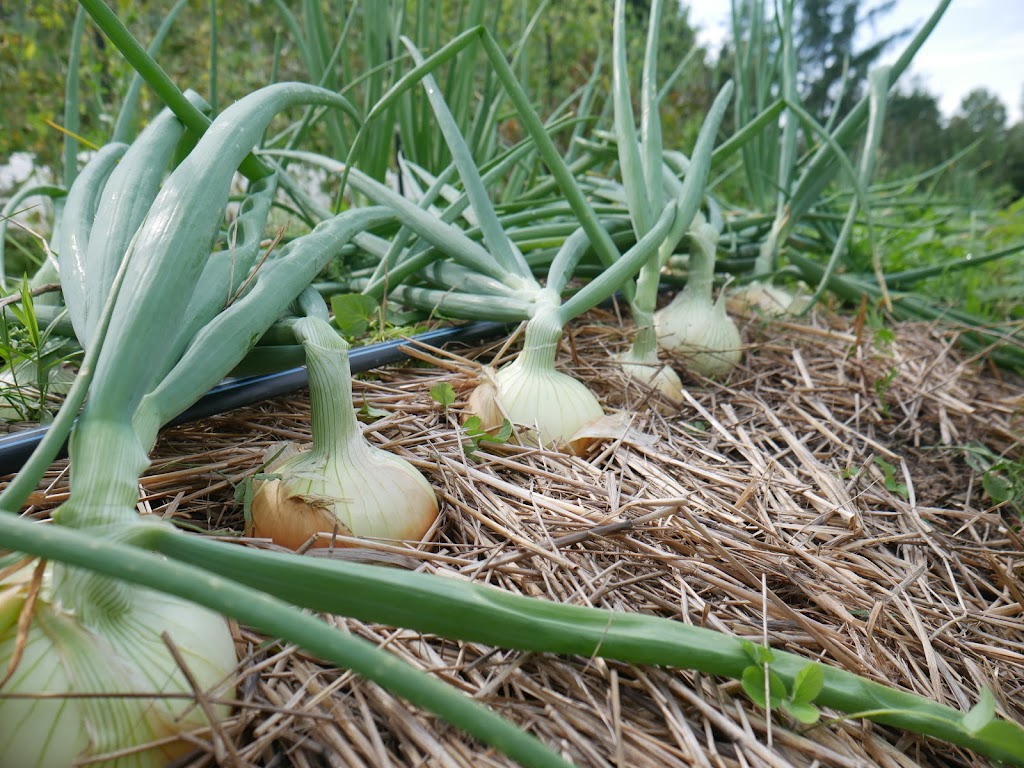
{"x": 762, "y": 502}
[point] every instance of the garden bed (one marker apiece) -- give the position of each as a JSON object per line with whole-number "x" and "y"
{"x": 818, "y": 500}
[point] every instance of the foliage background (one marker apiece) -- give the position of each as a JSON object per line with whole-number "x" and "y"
{"x": 566, "y": 42}
{"x": 968, "y": 206}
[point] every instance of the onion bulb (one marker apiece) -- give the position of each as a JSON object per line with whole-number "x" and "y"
{"x": 701, "y": 332}
{"x": 692, "y": 325}
{"x": 648, "y": 369}
{"x": 342, "y": 485}
{"x": 104, "y": 652}
{"x": 768, "y": 299}
{"x": 529, "y": 392}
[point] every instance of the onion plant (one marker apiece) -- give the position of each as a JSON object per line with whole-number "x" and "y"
{"x": 799, "y": 182}
{"x": 114, "y": 595}
{"x": 137, "y": 376}
{"x": 494, "y": 280}
{"x": 692, "y": 325}
{"x": 530, "y": 392}
{"x": 46, "y": 312}
{"x": 213, "y": 573}
{"x": 342, "y": 485}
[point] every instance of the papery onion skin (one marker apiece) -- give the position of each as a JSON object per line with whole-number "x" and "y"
{"x": 368, "y": 493}
{"x": 124, "y": 653}
{"x": 343, "y": 484}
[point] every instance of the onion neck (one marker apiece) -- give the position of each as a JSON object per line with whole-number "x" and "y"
{"x": 543, "y": 332}
{"x": 107, "y": 460}
{"x": 767, "y": 255}
{"x": 333, "y": 420}
{"x": 645, "y": 339}
{"x": 106, "y": 463}
{"x": 700, "y": 280}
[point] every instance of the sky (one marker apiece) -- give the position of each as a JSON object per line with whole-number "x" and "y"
{"x": 978, "y": 43}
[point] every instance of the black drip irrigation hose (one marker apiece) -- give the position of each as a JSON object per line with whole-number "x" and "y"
{"x": 236, "y": 393}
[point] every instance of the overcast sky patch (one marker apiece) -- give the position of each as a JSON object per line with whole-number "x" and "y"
{"x": 978, "y": 43}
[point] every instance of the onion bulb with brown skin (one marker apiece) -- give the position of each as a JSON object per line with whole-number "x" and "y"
{"x": 342, "y": 484}
{"x": 550, "y": 405}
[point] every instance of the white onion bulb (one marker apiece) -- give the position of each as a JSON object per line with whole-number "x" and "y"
{"x": 701, "y": 333}
{"x": 768, "y": 299}
{"x": 362, "y": 492}
{"x": 691, "y": 325}
{"x": 117, "y": 652}
{"x": 551, "y": 406}
{"x": 649, "y": 370}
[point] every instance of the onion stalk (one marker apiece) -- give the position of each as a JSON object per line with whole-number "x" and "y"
{"x": 478, "y": 613}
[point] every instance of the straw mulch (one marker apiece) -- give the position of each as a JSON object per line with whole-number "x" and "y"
{"x": 762, "y": 502}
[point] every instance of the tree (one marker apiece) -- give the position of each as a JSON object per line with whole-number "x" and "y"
{"x": 915, "y": 137}
{"x": 824, "y": 36}
{"x": 982, "y": 113}
{"x": 1013, "y": 167}
{"x": 981, "y": 120}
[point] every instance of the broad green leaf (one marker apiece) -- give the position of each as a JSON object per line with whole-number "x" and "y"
{"x": 808, "y": 684}
{"x": 369, "y": 412}
{"x": 997, "y": 487}
{"x": 504, "y": 432}
{"x": 753, "y": 681}
{"x": 808, "y": 714}
{"x": 353, "y": 312}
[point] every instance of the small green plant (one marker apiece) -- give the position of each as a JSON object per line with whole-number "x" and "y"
{"x": 477, "y": 435}
{"x": 882, "y": 386}
{"x": 882, "y": 336}
{"x": 33, "y": 363}
{"x": 361, "y": 318}
{"x": 1002, "y": 478}
{"x": 443, "y": 394}
{"x": 367, "y": 412}
{"x": 891, "y": 483}
{"x": 768, "y": 690}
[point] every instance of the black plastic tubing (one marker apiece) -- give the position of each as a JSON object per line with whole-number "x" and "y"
{"x": 236, "y": 393}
